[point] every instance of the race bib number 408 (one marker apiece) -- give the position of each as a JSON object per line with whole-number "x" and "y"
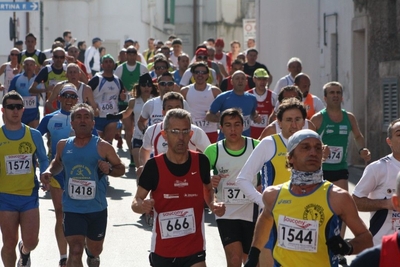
{"x": 298, "y": 235}
{"x": 177, "y": 223}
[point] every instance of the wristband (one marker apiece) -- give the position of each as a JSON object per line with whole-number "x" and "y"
{"x": 359, "y": 151}
{"x": 252, "y": 258}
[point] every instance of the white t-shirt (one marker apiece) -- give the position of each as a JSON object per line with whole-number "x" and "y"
{"x": 153, "y": 139}
{"x": 379, "y": 182}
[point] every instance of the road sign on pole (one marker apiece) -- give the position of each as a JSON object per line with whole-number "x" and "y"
{"x": 19, "y": 6}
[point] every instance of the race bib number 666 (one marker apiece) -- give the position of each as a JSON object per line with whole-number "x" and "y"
{"x": 177, "y": 223}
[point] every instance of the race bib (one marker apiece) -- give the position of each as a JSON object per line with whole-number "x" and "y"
{"x": 109, "y": 106}
{"x": 177, "y": 223}
{"x": 29, "y": 101}
{"x": 18, "y": 164}
{"x": 395, "y": 220}
{"x": 246, "y": 122}
{"x": 298, "y": 235}
{"x": 335, "y": 155}
{"x": 81, "y": 189}
{"x": 233, "y": 195}
{"x": 263, "y": 123}
{"x": 201, "y": 123}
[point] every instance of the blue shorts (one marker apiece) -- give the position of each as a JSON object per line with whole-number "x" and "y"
{"x": 101, "y": 123}
{"x": 57, "y": 181}
{"x": 29, "y": 116}
{"x": 9, "y": 202}
{"x": 92, "y": 225}
{"x": 137, "y": 143}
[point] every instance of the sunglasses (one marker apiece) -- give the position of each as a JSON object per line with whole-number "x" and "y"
{"x": 72, "y": 96}
{"x": 58, "y": 57}
{"x": 160, "y": 68}
{"x": 166, "y": 83}
{"x": 202, "y": 57}
{"x": 178, "y": 132}
{"x": 14, "y": 106}
{"x": 200, "y": 72}
{"x": 131, "y": 52}
{"x": 146, "y": 84}
{"x": 14, "y": 54}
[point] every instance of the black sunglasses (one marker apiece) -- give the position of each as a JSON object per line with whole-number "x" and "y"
{"x": 58, "y": 57}
{"x": 160, "y": 68}
{"x": 14, "y": 106}
{"x": 131, "y": 52}
{"x": 166, "y": 83}
{"x": 72, "y": 96}
{"x": 202, "y": 57}
{"x": 200, "y": 72}
{"x": 146, "y": 84}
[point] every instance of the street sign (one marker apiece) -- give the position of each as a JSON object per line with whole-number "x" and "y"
{"x": 19, "y": 6}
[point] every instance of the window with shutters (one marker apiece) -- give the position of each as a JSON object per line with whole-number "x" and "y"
{"x": 390, "y": 101}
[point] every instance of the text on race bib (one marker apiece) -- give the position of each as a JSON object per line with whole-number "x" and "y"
{"x": 81, "y": 189}
{"x": 177, "y": 223}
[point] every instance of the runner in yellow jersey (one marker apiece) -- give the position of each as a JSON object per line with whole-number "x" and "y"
{"x": 306, "y": 212}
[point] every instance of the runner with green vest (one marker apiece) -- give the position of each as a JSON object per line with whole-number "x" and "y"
{"x": 334, "y": 125}
{"x": 129, "y": 73}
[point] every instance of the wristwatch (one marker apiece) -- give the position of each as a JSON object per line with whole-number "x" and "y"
{"x": 110, "y": 169}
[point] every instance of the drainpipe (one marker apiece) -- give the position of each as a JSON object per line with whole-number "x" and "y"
{"x": 337, "y": 39}
{"x": 195, "y": 42}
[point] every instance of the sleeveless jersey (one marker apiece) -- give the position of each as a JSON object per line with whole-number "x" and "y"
{"x": 178, "y": 211}
{"x": 336, "y": 136}
{"x": 200, "y": 102}
{"x": 53, "y": 79}
{"x": 106, "y": 95}
{"x": 309, "y": 103}
{"x": 137, "y": 109}
{"x": 303, "y": 224}
{"x": 129, "y": 78}
{"x": 264, "y": 108}
{"x": 85, "y": 185}
{"x": 238, "y": 207}
{"x": 35, "y": 57}
{"x": 17, "y": 175}
{"x": 274, "y": 172}
{"x": 390, "y": 251}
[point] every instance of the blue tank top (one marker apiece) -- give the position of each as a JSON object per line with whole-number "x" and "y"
{"x": 85, "y": 185}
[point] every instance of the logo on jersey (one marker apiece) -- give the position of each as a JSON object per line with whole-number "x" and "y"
{"x": 181, "y": 183}
{"x": 170, "y": 196}
{"x": 223, "y": 171}
{"x": 284, "y": 201}
{"x": 80, "y": 172}
{"x": 25, "y": 148}
{"x": 314, "y": 212}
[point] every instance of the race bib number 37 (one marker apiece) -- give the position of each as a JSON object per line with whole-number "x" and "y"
{"x": 298, "y": 235}
{"x": 177, "y": 223}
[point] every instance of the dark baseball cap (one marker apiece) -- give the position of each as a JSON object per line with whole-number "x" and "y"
{"x": 96, "y": 39}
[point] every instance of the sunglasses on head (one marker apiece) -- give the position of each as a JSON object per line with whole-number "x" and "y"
{"x": 58, "y": 57}
{"x": 67, "y": 95}
{"x": 166, "y": 83}
{"x": 131, "y": 52}
{"x": 14, "y": 106}
{"x": 146, "y": 84}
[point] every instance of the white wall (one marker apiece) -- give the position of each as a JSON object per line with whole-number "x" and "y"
{"x": 295, "y": 28}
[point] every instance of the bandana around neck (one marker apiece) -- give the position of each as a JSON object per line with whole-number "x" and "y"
{"x": 306, "y": 178}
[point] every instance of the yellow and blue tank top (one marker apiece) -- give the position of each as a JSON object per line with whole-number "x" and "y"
{"x": 274, "y": 172}
{"x": 17, "y": 170}
{"x": 303, "y": 224}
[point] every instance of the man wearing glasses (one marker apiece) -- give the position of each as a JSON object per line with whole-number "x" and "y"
{"x": 152, "y": 110}
{"x": 201, "y": 55}
{"x": 19, "y": 200}
{"x": 50, "y": 76}
{"x": 129, "y": 73}
{"x": 179, "y": 181}
{"x": 200, "y": 96}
